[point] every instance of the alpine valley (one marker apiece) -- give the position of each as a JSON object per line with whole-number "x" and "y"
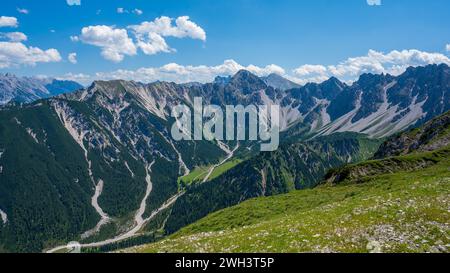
{"x": 98, "y": 165}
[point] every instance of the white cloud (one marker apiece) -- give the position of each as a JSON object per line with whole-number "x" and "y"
{"x": 15, "y": 54}
{"x": 177, "y": 73}
{"x": 115, "y": 43}
{"x": 309, "y": 73}
{"x": 308, "y": 69}
{"x": 153, "y": 44}
{"x": 72, "y": 58}
{"x": 134, "y": 11}
{"x": 80, "y": 78}
{"x": 6, "y": 21}
{"x": 138, "y": 12}
{"x": 148, "y": 36}
{"x": 73, "y": 2}
{"x": 447, "y": 48}
{"x": 23, "y": 11}
{"x": 394, "y": 62}
{"x": 374, "y": 2}
{"x": 14, "y": 36}
{"x": 163, "y": 26}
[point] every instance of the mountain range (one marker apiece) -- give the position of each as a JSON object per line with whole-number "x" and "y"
{"x": 28, "y": 89}
{"x": 99, "y": 163}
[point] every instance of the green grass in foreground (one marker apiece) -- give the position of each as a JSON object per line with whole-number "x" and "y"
{"x": 399, "y": 212}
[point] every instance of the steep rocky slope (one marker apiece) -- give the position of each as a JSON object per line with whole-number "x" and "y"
{"x": 433, "y": 135}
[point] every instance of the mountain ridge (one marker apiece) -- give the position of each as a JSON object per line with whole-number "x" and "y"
{"x": 28, "y": 89}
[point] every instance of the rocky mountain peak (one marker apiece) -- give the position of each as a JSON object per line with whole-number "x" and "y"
{"x": 246, "y": 82}
{"x": 222, "y": 80}
{"x": 278, "y": 82}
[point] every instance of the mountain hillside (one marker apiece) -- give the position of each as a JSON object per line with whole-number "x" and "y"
{"x": 86, "y": 161}
{"x": 291, "y": 167}
{"x": 398, "y": 212}
{"x": 433, "y": 135}
{"x": 395, "y": 204}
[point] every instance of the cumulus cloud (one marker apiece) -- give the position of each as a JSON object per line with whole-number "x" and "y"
{"x": 374, "y": 2}
{"x": 114, "y": 42}
{"x": 14, "y": 36}
{"x": 153, "y": 44}
{"x": 73, "y": 2}
{"x": 77, "y": 77}
{"x": 183, "y": 28}
{"x": 16, "y": 54}
{"x": 149, "y": 37}
{"x": 23, "y": 11}
{"x": 6, "y": 21}
{"x": 177, "y": 73}
{"x": 394, "y": 62}
{"x": 447, "y": 48}
{"x": 72, "y": 58}
{"x": 308, "y": 69}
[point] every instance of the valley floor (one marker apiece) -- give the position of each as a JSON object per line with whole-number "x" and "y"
{"x": 399, "y": 212}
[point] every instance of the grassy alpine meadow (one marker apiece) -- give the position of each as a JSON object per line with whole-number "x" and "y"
{"x": 224, "y": 167}
{"x": 393, "y": 212}
{"x": 199, "y": 173}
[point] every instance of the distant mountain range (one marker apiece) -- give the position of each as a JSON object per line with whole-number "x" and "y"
{"x": 27, "y": 89}
{"x": 98, "y": 162}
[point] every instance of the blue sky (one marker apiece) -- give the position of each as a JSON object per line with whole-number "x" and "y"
{"x": 305, "y": 40}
